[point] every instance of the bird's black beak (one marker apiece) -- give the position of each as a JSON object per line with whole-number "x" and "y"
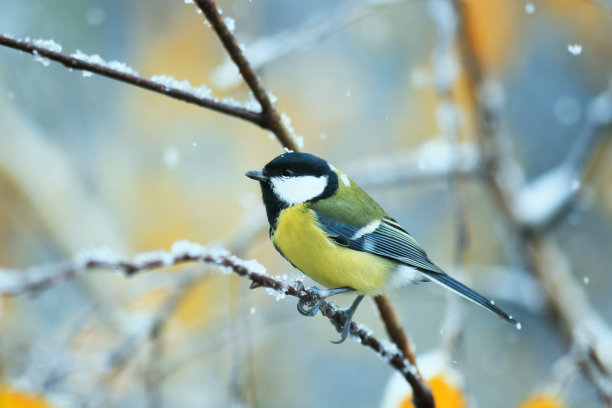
{"x": 256, "y": 175}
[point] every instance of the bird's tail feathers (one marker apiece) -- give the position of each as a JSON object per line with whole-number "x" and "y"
{"x": 462, "y": 290}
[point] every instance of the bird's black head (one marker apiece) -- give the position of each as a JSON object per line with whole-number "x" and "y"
{"x": 294, "y": 178}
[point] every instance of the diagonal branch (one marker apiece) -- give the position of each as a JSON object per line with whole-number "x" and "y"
{"x": 183, "y": 252}
{"x": 423, "y": 396}
{"x": 269, "y": 118}
{"x": 128, "y": 77}
{"x": 272, "y": 118}
{"x": 584, "y": 327}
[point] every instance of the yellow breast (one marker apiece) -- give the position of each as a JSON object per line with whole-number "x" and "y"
{"x": 308, "y": 247}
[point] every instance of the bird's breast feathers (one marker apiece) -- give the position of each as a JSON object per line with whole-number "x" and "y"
{"x": 300, "y": 238}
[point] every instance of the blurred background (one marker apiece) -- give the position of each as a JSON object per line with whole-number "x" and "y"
{"x": 89, "y": 162}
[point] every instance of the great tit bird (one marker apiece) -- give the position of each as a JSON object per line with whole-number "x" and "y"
{"x": 334, "y": 232}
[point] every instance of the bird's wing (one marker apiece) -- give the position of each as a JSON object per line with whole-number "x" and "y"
{"x": 386, "y": 238}
{"x": 383, "y": 237}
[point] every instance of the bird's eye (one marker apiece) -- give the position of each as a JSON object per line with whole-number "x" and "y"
{"x": 287, "y": 173}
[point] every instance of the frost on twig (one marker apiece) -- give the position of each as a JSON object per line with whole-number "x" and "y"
{"x": 270, "y": 116}
{"x": 536, "y": 203}
{"x": 14, "y": 282}
{"x": 266, "y": 50}
{"x": 434, "y": 160}
{"x": 48, "y": 50}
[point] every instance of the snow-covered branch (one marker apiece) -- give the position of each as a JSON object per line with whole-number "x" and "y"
{"x": 47, "y": 50}
{"x": 434, "y": 160}
{"x": 14, "y": 282}
{"x": 529, "y": 208}
{"x": 538, "y": 203}
{"x": 273, "y": 119}
{"x": 268, "y": 49}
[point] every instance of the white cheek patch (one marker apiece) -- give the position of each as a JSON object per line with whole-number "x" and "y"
{"x": 296, "y": 190}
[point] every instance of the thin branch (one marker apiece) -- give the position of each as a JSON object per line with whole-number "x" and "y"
{"x": 423, "y": 396}
{"x": 275, "y": 124}
{"x": 434, "y": 160}
{"x": 184, "y": 252}
{"x": 583, "y": 326}
{"x": 268, "y": 49}
{"x": 269, "y": 118}
{"x": 129, "y": 78}
{"x": 272, "y": 118}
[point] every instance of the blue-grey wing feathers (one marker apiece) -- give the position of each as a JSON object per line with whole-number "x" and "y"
{"x": 388, "y": 239}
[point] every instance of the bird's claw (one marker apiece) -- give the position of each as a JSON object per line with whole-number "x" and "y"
{"x": 345, "y": 328}
{"x": 310, "y": 306}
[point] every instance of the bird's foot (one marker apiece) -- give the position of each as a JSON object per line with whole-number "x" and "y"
{"x": 345, "y": 328}
{"x": 310, "y": 306}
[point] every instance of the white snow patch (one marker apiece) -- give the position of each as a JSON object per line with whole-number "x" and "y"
{"x": 574, "y": 49}
{"x": 436, "y": 155}
{"x": 11, "y": 280}
{"x": 252, "y": 265}
{"x": 586, "y": 280}
{"x": 144, "y": 258}
{"x": 278, "y": 294}
{"x": 299, "y": 140}
{"x": 529, "y": 8}
{"x": 170, "y": 82}
{"x": 47, "y": 44}
{"x": 537, "y": 201}
{"x": 44, "y": 61}
{"x": 98, "y": 255}
{"x": 252, "y": 311}
{"x": 97, "y": 60}
{"x": 185, "y": 248}
{"x": 230, "y": 23}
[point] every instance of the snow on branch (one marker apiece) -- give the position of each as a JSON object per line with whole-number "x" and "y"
{"x": 48, "y": 50}
{"x": 436, "y": 159}
{"x": 536, "y": 204}
{"x": 268, "y": 49}
{"x": 35, "y": 279}
{"x": 272, "y": 118}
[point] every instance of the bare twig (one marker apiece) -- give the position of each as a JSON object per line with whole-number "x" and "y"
{"x": 422, "y": 394}
{"x": 271, "y": 116}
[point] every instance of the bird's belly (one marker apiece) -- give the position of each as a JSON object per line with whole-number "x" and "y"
{"x": 308, "y": 248}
